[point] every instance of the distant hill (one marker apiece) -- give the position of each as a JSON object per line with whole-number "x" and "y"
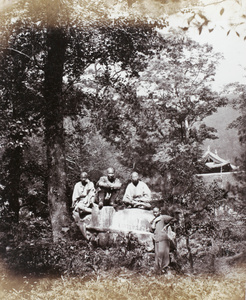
{"x": 227, "y": 144}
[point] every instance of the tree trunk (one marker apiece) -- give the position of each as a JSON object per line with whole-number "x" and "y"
{"x": 54, "y": 132}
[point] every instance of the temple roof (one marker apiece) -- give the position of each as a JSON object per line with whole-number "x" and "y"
{"x": 214, "y": 161}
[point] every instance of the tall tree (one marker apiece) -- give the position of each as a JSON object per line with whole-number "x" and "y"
{"x": 178, "y": 93}
{"x": 54, "y": 131}
{"x": 51, "y": 39}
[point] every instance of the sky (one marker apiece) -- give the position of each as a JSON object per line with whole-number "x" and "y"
{"x": 233, "y": 67}
{"x": 226, "y": 22}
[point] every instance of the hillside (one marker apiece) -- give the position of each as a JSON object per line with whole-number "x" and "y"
{"x": 227, "y": 144}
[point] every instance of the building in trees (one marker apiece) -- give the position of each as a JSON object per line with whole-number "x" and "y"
{"x": 217, "y": 169}
{"x": 215, "y": 164}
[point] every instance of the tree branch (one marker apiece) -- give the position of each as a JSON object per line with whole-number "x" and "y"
{"x": 17, "y": 51}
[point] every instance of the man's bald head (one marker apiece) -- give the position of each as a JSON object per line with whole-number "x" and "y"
{"x": 135, "y": 178}
{"x": 111, "y": 173}
{"x": 83, "y": 177}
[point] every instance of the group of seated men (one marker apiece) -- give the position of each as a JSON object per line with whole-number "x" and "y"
{"x": 106, "y": 192}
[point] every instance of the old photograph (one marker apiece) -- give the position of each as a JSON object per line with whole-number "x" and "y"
{"x": 122, "y": 149}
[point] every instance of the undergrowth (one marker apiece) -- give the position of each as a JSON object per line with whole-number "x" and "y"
{"x": 28, "y": 249}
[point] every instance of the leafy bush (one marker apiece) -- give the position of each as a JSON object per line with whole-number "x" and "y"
{"x": 28, "y": 248}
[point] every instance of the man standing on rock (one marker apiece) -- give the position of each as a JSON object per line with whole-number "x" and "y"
{"x": 159, "y": 225}
{"x": 108, "y": 189}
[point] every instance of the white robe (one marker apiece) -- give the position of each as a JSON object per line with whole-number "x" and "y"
{"x": 86, "y": 193}
{"x": 140, "y": 192}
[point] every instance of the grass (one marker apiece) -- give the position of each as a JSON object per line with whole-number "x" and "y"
{"x": 125, "y": 285}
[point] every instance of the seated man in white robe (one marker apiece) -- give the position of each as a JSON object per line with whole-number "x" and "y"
{"x": 83, "y": 196}
{"x": 137, "y": 193}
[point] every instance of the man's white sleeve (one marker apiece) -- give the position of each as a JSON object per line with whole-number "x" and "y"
{"x": 127, "y": 195}
{"x": 75, "y": 193}
{"x": 146, "y": 192}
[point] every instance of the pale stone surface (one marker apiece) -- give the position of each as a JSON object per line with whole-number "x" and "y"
{"x": 132, "y": 221}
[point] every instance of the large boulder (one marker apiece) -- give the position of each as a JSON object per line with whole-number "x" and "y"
{"x": 128, "y": 222}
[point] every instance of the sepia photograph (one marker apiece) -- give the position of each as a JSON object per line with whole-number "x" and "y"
{"x": 122, "y": 149}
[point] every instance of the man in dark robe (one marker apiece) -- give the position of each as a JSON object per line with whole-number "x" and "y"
{"x": 159, "y": 225}
{"x": 108, "y": 188}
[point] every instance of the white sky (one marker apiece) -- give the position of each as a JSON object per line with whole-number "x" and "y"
{"x": 233, "y": 67}
{"x": 233, "y": 48}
